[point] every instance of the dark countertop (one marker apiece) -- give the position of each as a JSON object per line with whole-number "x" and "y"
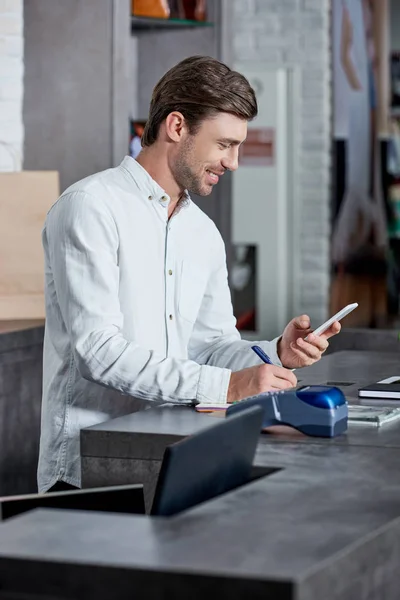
{"x": 325, "y": 526}
{"x": 371, "y": 340}
{"x": 322, "y": 524}
{"x": 21, "y": 367}
{"x": 145, "y": 434}
{"x": 18, "y": 335}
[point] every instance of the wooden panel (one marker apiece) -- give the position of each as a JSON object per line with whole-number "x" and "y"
{"x": 25, "y": 199}
{"x": 20, "y": 325}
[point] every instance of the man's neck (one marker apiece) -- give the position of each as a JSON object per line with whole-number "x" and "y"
{"x": 156, "y": 164}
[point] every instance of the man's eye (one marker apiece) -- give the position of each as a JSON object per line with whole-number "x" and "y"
{"x": 224, "y": 146}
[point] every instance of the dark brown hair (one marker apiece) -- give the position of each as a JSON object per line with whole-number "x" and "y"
{"x": 199, "y": 87}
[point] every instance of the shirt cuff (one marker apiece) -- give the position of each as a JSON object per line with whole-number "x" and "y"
{"x": 213, "y": 385}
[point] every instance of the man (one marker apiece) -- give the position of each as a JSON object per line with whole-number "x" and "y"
{"x": 137, "y": 299}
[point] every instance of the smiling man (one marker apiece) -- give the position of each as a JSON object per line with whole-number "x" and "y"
{"x": 137, "y": 298}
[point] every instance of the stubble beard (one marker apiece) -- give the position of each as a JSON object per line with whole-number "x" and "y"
{"x": 186, "y": 174}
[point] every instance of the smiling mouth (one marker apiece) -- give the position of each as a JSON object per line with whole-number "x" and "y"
{"x": 214, "y": 177}
{"x": 215, "y": 173}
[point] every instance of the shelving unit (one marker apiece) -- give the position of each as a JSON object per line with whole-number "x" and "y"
{"x": 150, "y": 23}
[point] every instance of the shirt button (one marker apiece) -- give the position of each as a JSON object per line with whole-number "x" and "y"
{"x": 163, "y": 198}
{"x": 150, "y": 198}
{"x": 170, "y": 272}
{"x": 170, "y": 317}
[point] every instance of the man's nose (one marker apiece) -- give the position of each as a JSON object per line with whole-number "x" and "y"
{"x": 231, "y": 162}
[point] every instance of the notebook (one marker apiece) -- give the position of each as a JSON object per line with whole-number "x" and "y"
{"x": 204, "y": 407}
{"x": 385, "y": 389}
{"x": 372, "y": 415}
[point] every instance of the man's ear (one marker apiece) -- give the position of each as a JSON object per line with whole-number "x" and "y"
{"x": 175, "y": 126}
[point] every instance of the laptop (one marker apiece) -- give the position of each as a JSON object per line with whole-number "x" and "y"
{"x": 208, "y": 463}
{"x": 193, "y": 470}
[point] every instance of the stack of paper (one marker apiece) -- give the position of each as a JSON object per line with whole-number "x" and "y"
{"x": 372, "y": 415}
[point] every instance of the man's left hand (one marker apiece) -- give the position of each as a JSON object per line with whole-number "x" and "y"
{"x": 294, "y": 351}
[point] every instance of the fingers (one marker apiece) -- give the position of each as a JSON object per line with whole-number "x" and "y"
{"x": 284, "y": 378}
{"x": 311, "y": 350}
{"x": 319, "y": 343}
{"x": 304, "y": 359}
{"x": 276, "y": 378}
{"x": 279, "y": 384}
{"x": 304, "y": 350}
{"x": 302, "y": 322}
{"x": 334, "y": 329}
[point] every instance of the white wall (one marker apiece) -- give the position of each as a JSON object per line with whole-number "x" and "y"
{"x": 294, "y": 36}
{"x": 11, "y": 85}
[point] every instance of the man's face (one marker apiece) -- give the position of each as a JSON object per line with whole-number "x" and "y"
{"x": 202, "y": 158}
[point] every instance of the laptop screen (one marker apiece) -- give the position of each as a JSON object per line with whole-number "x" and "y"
{"x": 208, "y": 463}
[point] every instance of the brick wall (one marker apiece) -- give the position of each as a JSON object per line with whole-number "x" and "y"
{"x": 11, "y": 85}
{"x": 296, "y": 34}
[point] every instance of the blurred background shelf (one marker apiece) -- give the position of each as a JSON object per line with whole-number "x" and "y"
{"x": 148, "y": 23}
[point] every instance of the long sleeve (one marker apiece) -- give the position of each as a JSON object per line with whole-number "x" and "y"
{"x": 81, "y": 240}
{"x": 215, "y": 339}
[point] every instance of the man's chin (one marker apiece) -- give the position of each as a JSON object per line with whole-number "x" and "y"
{"x": 207, "y": 189}
{"x": 204, "y": 191}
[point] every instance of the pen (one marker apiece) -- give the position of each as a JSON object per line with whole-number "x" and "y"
{"x": 261, "y": 354}
{"x": 264, "y": 357}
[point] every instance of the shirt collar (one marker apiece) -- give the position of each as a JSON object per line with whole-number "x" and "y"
{"x": 149, "y": 186}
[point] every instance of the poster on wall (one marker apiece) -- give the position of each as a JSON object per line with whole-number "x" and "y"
{"x": 360, "y": 241}
{"x": 259, "y": 148}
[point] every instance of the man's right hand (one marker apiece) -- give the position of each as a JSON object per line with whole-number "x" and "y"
{"x": 255, "y": 380}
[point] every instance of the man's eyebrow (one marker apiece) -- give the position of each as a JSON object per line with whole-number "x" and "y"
{"x": 231, "y": 141}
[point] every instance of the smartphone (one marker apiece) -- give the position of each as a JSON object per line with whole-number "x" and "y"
{"x": 340, "y": 315}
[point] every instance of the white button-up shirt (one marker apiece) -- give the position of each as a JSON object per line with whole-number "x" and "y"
{"x": 138, "y": 308}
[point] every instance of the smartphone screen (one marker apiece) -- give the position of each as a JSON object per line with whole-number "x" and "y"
{"x": 339, "y": 315}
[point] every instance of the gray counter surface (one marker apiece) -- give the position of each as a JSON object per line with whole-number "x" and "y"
{"x": 325, "y": 526}
{"x": 21, "y": 362}
{"x": 144, "y": 435}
